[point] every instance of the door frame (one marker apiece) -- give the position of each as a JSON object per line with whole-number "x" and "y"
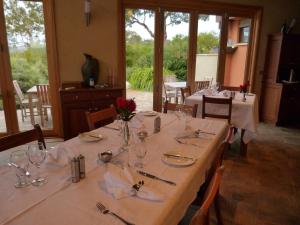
{"x": 53, "y": 73}
{"x": 194, "y": 7}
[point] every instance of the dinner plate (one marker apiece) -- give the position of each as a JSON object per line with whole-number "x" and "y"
{"x": 178, "y": 161}
{"x": 90, "y": 136}
{"x": 149, "y": 113}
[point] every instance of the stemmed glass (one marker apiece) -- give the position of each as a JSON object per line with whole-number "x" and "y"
{"x": 19, "y": 161}
{"x": 37, "y": 155}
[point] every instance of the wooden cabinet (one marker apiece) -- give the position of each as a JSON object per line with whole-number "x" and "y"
{"x": 280, "y": 98}
{"x": 76, "y": 102}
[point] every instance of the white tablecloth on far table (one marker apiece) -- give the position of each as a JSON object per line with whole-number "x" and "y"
{"x": 244, "y": 114}
{"x": 62, "y": 202}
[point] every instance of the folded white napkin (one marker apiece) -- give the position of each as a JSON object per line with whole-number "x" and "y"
{"x": 119, "y": 182}
{"x": 59, "y": 156}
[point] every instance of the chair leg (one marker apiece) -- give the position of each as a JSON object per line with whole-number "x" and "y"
{"x": 41, "y": 115}
{"x": 22, "y": 113}
{"x": 217, "y": 209}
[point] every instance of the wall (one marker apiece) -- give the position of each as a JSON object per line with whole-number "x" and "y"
{"x": 206, "y": 67}
{"x": 100, "y": 38}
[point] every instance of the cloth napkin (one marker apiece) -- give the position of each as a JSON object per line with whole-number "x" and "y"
{"x": 119, "y": 182}
{"x": 59, "y": 156}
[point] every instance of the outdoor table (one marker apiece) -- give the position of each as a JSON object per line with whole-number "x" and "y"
{"x": 176, "y": 86}
{"x": 62, "y": 202}
{"x": 244, "y": 114}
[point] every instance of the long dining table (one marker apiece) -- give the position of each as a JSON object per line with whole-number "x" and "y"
{"x": 244, "y": 113}
{"x": 62, "y": 202}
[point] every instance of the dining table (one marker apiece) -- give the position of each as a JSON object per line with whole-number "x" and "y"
{"x": 60, "y": 201}
{"x": 244, "y": 115}
{"x": 176, "y": 85}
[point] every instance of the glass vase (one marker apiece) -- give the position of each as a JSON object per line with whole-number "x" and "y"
{"x": 126, "y": 133}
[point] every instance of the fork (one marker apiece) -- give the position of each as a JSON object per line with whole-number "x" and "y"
{"x": 104, "y": 210}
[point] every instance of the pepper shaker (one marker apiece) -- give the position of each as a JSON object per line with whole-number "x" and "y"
{"x": 157, "y": 123}
{"x": 75, "y": 170}
{"x": 81, "y": 160}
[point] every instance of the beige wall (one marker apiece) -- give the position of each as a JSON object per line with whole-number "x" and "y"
{"x": 100, "y": 38}
{"x": 206, "y": 67}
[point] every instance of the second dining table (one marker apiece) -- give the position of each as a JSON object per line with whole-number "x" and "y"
{"x": 62, "y": 202}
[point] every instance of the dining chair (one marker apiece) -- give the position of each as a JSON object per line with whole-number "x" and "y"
{"x": 169, "y": 93}
{"x": 203, "y": 84}
{"x": 22, "y": 138}
{"x": 43, "y": 93}
{"x": 101, "y": 118}
{"x": 218, "y": 101}
{"x": 229, "y": 88}
{"x": 185, "y": 92}
{"x": 24, "y": 102}
{"x": 173, "y": 107}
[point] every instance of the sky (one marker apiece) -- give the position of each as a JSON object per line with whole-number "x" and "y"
{"x": 183, "y": 28}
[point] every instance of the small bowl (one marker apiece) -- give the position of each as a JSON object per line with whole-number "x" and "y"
{"x": 105, "y": 156}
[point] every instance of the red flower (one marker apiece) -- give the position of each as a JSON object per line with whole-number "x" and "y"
{"x": 131, "y": 105}
{"x": 121, "y": 103}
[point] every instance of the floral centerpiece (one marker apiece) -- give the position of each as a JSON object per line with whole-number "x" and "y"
{"x": 125, "y": 108}
{"x": 244, "y": 87}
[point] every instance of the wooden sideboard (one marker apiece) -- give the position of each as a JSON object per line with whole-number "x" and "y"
{"x": 75, "y": 102}
{"x": 280, "y": 100}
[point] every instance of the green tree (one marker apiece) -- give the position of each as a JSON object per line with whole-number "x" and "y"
{"x": 207, "y": 42}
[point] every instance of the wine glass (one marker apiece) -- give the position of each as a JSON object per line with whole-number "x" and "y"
{"x": 37, "y": 155}
{"x": 19, "y": 161}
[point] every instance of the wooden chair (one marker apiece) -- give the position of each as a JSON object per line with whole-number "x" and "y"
{"x": 172, "y": 107}
{"x": 203, "y": 84}
{"x": 24, "y": 102}
{"x": 44, "y": 99}
{"x": 230, "y": 88}
{"x": 220, "y": 101}
{"x": 101, "y": 118}
{"x": 201, "y": 217}
{"x": 22, "y": 138}
{"x": 185, "y": 92}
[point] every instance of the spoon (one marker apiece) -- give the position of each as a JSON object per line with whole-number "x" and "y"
{"x": 26, "y": 172}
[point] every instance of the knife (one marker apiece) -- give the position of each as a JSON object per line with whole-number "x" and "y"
{"x": 178, "y": 156}
{"x": 155, "y": 177}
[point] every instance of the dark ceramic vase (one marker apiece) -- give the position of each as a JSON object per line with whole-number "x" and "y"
{"x": 90, "y": 69}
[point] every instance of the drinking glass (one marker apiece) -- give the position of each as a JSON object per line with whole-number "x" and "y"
{"x": 188, "y": 118}
{"x": 37, "y": 155}
{"x": 179, "y": 112}
{"x": 19, "y": 161}
{"x": 140, "y": 149}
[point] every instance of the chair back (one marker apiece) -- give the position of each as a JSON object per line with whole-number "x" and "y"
{"x": 22, "y": 138}
{"x": 101, "y": 118}
{"x": 203, "y": 84}
{"x": 185, "y": 92}
{"x": 173, "y": 106}
{"x": 229, "y": 88}
{"x": 43, "y": 93}
{"x": 18, "y": 91}
{"x": 201, "y": 217}
{"x": 219, "y": 101}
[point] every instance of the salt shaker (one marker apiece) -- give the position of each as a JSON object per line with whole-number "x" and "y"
{"x": 75, "y": 170}
{"x": 157, "y": 123}
{"x": 81, "y": 160}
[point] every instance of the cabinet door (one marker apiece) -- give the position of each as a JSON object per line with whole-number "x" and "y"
{"x": 75, "y": 120}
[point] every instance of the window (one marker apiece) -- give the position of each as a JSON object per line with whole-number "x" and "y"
{"x": 244, "y": 34}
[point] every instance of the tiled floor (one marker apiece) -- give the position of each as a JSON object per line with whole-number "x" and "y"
{"x": 264, "y": 188}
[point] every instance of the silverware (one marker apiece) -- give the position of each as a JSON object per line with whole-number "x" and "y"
{"x": 181, "y": 142}
{"x": 178, "y": 156}
{"x": 199, "y": 131}
{"x": 105, "y": 156}
{"x": 104, "y": 210}
{"x": 155, "y": 177}
{"x": 111, "y": 128}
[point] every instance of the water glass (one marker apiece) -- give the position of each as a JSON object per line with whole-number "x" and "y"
{"x": 37, "y": 155}
{"x": 19, "y": 161}
{"x": 188, "y": 118}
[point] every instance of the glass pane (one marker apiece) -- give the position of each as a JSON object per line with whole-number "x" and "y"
{"x": 27, "y": 47}
{"x": 208, "y": 48}
{"x": 236, "y": 52}
{"x": 2, "y": 116}
{"x": 139, "y": 37}
{"x": 175, "y": 57}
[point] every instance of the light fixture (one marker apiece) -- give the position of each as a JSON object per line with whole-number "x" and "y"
{"x": 87, "y": 11}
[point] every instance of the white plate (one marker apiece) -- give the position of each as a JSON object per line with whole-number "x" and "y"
{"x": 149, "y": 113}
{"x": 173, "y": 161}
{"x": 90, "y": 136}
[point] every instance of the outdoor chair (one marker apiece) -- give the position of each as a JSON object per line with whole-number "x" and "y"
{"x": 24, "y": 102}
{"x": 185, "y": 92}
{"x": 203, "y": 84}
{"x": 22, "y": 138}
{"x": 101, "y": 118}
{"x": 44, "y": 101}
{"x": 173, "y": 107}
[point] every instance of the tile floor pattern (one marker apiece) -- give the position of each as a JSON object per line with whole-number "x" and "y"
{"x": 264, "y": 188}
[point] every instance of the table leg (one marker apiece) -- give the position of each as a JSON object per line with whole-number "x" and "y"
{"x": 31, "y": 109}
{"x": 243, "y": 146}
{"x": 176, "y": 97}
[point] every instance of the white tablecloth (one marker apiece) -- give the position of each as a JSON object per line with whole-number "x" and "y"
{"x": 244, "y": 114}
{"x": 62, "y": 202}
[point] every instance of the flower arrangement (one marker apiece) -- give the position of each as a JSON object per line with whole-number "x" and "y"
{"x": 126, "y": 108}
{"x": 244, "y": 87}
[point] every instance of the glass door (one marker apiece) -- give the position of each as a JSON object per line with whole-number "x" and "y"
{"x": 2, "y": 115}
{"x": 139, "y": 54}
{"x": 25, "y": 29}
{"x": 175, "y": 54}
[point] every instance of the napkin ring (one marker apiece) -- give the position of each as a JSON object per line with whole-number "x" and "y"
{"x": 138, "y": 185}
